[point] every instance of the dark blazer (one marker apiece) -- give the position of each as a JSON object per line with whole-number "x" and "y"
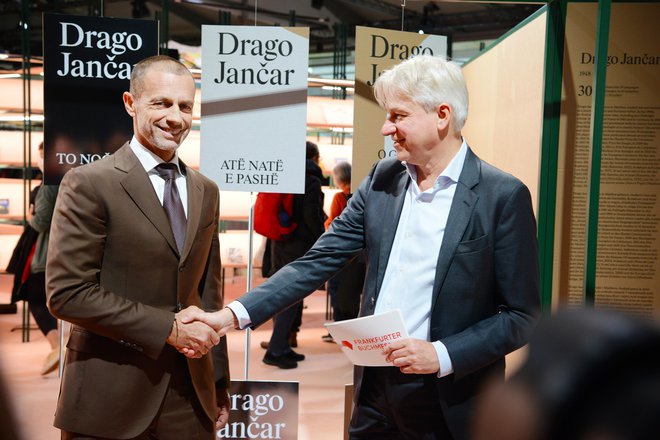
{"x": 486, "y": 291}
{"x": 115, "y": 273}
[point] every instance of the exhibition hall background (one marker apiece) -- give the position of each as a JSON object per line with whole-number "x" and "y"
{"x": 563, "y": 95}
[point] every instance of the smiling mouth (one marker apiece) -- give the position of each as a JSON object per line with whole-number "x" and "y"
{"x": 170, "y": 132}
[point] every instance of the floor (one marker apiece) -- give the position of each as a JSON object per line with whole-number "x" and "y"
{"x": 322, "y": 376}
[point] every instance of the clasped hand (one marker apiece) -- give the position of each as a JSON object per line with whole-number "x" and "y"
{"x": 195, "y": 332}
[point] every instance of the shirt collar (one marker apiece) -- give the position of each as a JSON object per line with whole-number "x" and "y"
{"x": 148, "y": 159}
{"x": 450, "y": 174}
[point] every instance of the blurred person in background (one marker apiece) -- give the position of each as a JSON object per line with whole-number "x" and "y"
{"x": 345, "y": 287}
{"x": 28, "y": 264}
{"x": 309, "y": 215}
{"x": 589, "y": 375}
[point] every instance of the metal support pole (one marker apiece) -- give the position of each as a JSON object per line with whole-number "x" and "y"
{"x": 164, "y": 26}
{"x": 554, "y": 58}
{"x": 25, "y": 26}
{"x": 597, "y": 113}
{"x": 249, "y": 279}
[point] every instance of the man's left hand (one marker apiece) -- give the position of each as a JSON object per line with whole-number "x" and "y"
{"x": 222, "y": 397}
{"x": 412, "y": 356}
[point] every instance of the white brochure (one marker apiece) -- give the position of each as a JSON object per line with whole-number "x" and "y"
{"x": 362, "y": 339}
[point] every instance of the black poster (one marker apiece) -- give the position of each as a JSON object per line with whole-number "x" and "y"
{"x": 87, "y": 67}
{"x": 262, "y": 410}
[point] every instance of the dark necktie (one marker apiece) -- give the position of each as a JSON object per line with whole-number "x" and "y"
{"x": 172, "y": 203}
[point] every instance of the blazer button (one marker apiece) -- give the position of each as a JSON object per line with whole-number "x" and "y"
{"x": 182, "y": 268}
{"x": 179, "y": 307}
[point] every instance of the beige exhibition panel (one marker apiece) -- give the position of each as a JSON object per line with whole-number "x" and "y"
{"x": 628, "y": 248}
{"x": 505, "y": 118}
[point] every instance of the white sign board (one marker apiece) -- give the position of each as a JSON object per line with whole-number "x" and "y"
{"x": 254, "y": 107}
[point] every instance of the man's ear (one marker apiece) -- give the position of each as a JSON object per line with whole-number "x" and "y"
{"x": 445, "y": 114}
{"x": 129, "y": 103}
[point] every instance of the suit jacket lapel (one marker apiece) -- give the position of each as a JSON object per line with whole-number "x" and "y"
{"x": 195, "y": 197}
{"x": 390, "y": 216}
{"x": 141, "y": 191}
{"x": 461, "y": 210}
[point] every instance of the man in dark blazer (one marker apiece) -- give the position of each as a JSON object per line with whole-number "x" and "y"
{"x": 119, "y": 273}
{"x": 450, "y": 241}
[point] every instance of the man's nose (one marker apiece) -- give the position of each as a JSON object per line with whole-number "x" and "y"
{"x": 388, "y": 128}
{"x": 174, "y": 115}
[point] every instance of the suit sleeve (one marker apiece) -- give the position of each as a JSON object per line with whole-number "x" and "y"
{"x": 75, "y": 256}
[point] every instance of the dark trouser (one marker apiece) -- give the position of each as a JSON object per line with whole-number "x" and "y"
{"x": 345, "y": 289}
{"x": 297, "y": 321}
{"x": 397, "y": 406}
{"x": 181, "y": 416}
{"x": 279, "y": 340}
{"x": 35, "y": 288}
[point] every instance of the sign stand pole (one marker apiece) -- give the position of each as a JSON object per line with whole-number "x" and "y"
{"x": 249, "y": 279}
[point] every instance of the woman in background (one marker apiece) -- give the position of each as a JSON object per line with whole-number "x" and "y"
{"x": 30, "y": 269}
{"x": 346, "y": 286}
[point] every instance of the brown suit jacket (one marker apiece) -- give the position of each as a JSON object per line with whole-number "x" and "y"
{"x": 114, "y": 272}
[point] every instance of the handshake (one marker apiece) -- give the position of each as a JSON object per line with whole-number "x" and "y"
{"x": 195, "y": 331}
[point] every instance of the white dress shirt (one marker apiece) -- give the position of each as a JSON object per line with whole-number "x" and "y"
{"x": 149, "y": 161}
{"x": 410, "y": 273}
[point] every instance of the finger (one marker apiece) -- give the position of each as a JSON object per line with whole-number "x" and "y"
{"x": 190, "y": 353}
{"x": 188, "y": 316}
{"x": 397, "y": 344}
{"x": 195, "y": 354}
{"x": 396, "y": 353}
{"x": 215, "y": 338}
{"x": 209, "y": 342}
{"x": 223, "y": 417}
{"x": 400, "y": 362}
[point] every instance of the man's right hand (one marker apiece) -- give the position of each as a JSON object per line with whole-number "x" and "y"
{"x": 222, "y": 320}
{"x": 192, "y": 338}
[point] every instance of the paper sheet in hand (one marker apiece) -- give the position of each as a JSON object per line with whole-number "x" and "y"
{"x": 363, "y": 339}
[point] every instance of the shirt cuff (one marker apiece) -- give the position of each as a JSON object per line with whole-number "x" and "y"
{"x": 446, "y": 367}
{"x": 242, "y": 315}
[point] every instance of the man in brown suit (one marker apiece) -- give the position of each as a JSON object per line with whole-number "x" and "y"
{"x": 122, "y": 264}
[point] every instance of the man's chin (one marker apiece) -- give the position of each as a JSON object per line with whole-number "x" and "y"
{"x": 168, "y": 145}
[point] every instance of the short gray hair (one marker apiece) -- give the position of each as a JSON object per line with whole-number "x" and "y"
{"x": 427, "y": 81}
{"x": 342, "y": 172}
{"x": 163, "y": 63}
